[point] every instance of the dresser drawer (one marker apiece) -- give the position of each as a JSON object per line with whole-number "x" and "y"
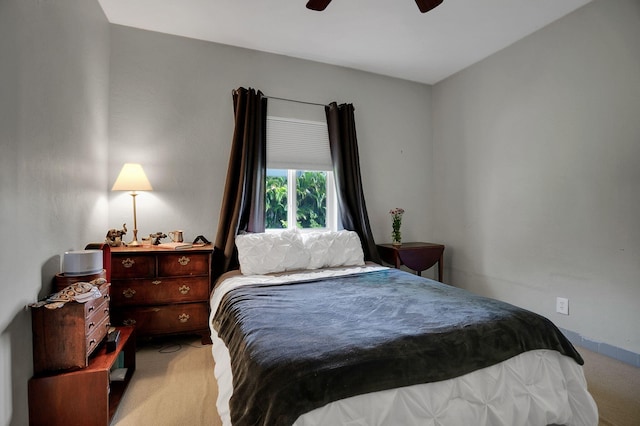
{"x": 96, "y": 309}
{"x": 160, "y": 290}
{"x": 96, "y": 333}
{"x": 161, "y": 319}
{"x": 98, "y": 316}
{"x": 183, "y": 264}
{"x": 133, "y": 266}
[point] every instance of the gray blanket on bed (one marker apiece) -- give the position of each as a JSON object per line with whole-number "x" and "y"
{"x": 297, "y": 347}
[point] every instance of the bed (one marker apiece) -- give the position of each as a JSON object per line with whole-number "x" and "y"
{"x": 307, "y": 333}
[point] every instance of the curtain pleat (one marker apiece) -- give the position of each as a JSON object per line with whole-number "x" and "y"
{"x": 343, "y": 144}
{"x": 243, "y": 199}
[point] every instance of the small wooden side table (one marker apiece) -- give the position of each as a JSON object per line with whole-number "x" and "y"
{"x": 416, "y": 256}
{"x": 86, "y": 396}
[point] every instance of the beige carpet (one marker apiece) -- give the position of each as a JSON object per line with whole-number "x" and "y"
{"x": 616, "y": 388}
{"x": 174, "y": 385}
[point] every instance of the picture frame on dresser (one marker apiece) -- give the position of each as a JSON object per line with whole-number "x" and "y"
{"x": 161, "y": 291}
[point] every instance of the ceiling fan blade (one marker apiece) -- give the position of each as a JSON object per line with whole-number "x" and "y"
{"x": 318, "y": 4}
{"x": 425, "y": 5}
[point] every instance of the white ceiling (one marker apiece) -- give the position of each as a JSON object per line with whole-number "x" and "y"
{"x": 389, "y": 37}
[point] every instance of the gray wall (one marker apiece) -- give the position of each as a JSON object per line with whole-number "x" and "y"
{"x": 53, "y": 176}
{"x": 537, "y": 172}
{"x": 171, "y": 110}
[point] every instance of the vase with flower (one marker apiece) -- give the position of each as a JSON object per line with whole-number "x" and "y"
{"x": 396, "y": 223}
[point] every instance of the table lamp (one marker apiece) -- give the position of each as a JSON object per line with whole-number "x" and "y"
{"x": 132, "y": 178}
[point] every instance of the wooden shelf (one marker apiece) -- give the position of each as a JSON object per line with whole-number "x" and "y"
{"x": 86, "y": 396}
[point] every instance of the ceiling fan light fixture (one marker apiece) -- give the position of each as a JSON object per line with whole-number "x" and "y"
{"x": 427, "y": 5}
{"x": 318, "y": 5}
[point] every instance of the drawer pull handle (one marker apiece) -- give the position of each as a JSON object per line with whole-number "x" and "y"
{"x": 106, "y": 310}
{"x": 106, "y": 297}
{"x": 128, "y": 293}
{"x": 184, "y": 289}
{"x": 183, "y": 317}
{"x": 184, "y": 260}
{"x": 128, "y": 262}
{"x": 91, "y": 325}
{"x": 91, "y": 308}
{"x": 92, "y": 342}
{"x": 129, "y": 321}
{"x": 156, "y": 282}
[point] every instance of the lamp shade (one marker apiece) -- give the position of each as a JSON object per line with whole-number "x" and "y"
{"x": 132, "y": 178}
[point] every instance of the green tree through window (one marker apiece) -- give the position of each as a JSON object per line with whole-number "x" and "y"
{"x": 276, "y": 202}
{"x": 310, "y": 199}
{"x": 311, "y": 191}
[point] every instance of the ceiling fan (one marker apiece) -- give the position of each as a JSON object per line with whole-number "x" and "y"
{"x": 423, "y": 5}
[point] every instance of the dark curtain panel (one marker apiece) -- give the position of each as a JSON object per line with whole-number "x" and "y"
{"x": 346, "y": 170}
{"x": 243, "y": 200}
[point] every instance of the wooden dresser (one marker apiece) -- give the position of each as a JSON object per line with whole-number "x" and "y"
{"x": 161, "y": 291}
{"x": 63, "y": 338}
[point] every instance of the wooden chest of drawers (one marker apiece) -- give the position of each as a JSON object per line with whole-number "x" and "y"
{"x": 161, "y": 291}
{"x": 64, "y": 338}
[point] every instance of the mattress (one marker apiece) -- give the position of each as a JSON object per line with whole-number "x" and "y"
{"x": 534, "y": 387}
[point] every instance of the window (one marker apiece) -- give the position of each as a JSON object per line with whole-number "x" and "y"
{"x": 300, "y": 190}
{"x": 300, "y": 198}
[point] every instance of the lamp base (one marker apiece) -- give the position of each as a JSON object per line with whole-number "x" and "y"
{"x": 135, "y": 242}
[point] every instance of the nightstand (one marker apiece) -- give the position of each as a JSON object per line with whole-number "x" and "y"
{"x": 161, "y": 291}
{"x": 416, "y": 256}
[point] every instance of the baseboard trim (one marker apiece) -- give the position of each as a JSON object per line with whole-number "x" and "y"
{"x": 605, "y": 349}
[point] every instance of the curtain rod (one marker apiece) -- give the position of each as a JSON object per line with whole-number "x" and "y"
{"x": 295, "y": 100}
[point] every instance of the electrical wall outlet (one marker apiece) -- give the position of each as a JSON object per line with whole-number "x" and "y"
{"x": 562, "y": 305}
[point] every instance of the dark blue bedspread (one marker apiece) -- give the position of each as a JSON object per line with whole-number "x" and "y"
{"x": 296, "y": 347}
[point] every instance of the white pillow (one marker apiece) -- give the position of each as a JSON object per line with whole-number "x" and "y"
{"x": 330, "y": 249}
{"x": 265, "y": 253}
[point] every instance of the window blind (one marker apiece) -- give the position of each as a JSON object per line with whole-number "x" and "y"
{"x": 297, "y": 144}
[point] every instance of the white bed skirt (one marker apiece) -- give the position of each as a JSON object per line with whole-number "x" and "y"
{"x": 539, "y": 387}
